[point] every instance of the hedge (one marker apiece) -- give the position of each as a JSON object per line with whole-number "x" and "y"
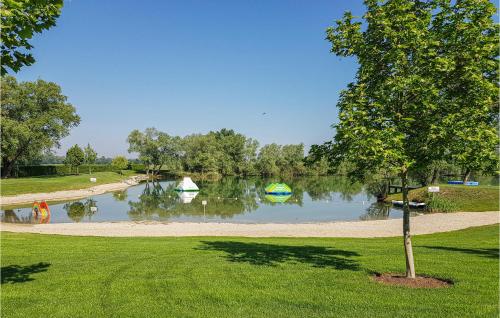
{"x": 51, "y": 170}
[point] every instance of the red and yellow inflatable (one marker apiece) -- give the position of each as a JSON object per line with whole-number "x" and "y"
{"x": 41, "y": 212}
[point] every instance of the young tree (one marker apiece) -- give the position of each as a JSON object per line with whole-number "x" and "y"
{"x": 75, "y": 157}
{"x": 90, "y": 156}
{"x": 402, "y": 112}
{"x": 35, "y": 116}
{"x": 21, "y": 19}
{"x": 120, "y": 163}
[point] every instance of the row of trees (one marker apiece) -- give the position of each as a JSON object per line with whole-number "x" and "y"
{"x": 222, "y": 152}
{"x": 76, "y": 156}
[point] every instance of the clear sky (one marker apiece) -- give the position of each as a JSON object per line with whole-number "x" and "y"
{"x": 193, "y": 66}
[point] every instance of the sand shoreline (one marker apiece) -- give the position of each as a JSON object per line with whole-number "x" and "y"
{"x": 70, "y": 194}
{"x": 423, "y": 224}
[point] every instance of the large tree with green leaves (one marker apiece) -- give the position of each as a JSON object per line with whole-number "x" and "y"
{"x": 34, "y": 116}
{"x": 21, "y": 19}
{"x": 406, "y": 108}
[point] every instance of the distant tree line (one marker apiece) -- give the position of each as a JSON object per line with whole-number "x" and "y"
{"x": 224, "y": 152}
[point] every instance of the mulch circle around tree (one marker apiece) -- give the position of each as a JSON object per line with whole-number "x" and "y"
{"x": 417, "y": 282}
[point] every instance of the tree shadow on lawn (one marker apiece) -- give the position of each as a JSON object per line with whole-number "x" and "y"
{"x": 21, "y": 274}
{"x": 271, "y": 254}
{"x": 485, "y": 252}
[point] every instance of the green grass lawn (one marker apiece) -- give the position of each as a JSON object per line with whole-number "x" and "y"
{"x": 61, "y": 276}
{"x": 465, "y": 198}
{"x": 57, "y": 183}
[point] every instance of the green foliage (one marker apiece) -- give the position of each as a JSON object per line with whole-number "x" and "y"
{"x": 252, "y": 277}
{"x": 90, "y": 156}
{"x": 21, "y": 19}
{"x": 75, "y": 157}
{"x": 438, "y": 203}
{"x": 155, "y": 149}
{"x": 426, "y": 89}
{"x": 120, "y": 163}
{"x": 35, "y": 116}
{"x": 218, "y": 153}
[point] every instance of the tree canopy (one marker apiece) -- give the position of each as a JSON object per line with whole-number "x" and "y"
{"x": 75, "y": 157}
{"x": 21, "y": 19}
{"x": 120, "y": 163}
{"x": 35, "y": 116}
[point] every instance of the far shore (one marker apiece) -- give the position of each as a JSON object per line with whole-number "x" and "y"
{"x": 422, "y": 224}
{"x": 70, "y": 194}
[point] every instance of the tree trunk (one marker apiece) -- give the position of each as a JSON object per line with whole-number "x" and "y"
{"x": 410, "y": 265}
{"x": 7, "y": 167}
{"x": 435, "y": 175}
{"x": 466, "y": 175}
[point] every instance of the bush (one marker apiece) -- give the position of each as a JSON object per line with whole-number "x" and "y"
{"x": 436, "y": 203}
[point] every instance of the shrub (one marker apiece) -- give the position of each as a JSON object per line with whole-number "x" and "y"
{"x": 437, "y": 203}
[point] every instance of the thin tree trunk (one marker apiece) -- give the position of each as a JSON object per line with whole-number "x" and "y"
{"x": 466, "y": 175}
{"x": 410, "y": 265}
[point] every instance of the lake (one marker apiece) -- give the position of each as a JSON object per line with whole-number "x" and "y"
{"x": 230, "y": 199}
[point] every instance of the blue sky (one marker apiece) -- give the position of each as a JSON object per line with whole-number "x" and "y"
{"x": 194, "y": 66}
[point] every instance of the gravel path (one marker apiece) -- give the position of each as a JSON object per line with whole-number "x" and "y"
{"x": 423, "y": 224}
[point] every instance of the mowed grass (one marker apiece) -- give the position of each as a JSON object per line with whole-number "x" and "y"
{"x": 63, "y": 276}
{"x": 465, "y": 198}
{"x": 16, "y": 186}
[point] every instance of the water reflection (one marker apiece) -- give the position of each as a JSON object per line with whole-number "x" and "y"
{"x": 187, "y": 197}
{"x": 76, "y": 211}
{"x": 377, "y": 211}
{"x": 313, "y": 199}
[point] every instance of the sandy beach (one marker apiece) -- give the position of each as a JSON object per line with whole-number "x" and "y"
{"x": 70, "y": 194}
{"x": 423, "y": 224}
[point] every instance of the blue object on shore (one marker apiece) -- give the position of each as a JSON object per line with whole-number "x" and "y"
{"x": 472, "y": 183}
{"x": 468, "y": 183}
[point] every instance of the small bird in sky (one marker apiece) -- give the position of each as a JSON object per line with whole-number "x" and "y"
{"x": 263, "y": 114}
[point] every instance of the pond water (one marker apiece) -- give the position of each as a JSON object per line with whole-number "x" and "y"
{"x": 314, "y": 199}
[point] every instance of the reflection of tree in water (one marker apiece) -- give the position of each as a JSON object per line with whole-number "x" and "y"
{"x": 89, "y": 204}
{"x": 10, "y": 216}
{"x": 377, "y": 211}
{"x": 231, "y": 196}
{"x": 77, "y": 210}
{"x": 120, "y": 195}
{"x": 226, "y": 198}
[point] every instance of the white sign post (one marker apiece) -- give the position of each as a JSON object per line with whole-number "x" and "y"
{"x": 433, "y": 189}
{"x": 204, "y": 203}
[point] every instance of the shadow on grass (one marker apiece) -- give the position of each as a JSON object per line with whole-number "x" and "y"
{"x": 21, "y": 274}
{"x": 485, "y": 252}
{"x": 271, "y": 254}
